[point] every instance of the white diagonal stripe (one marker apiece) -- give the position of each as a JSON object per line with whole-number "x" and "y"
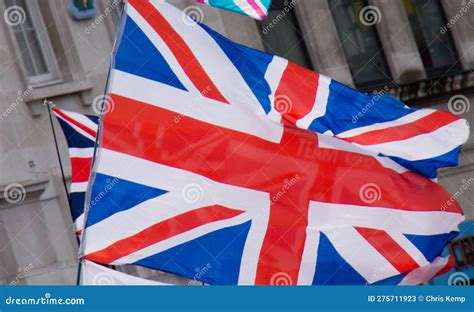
{"x": 320, "y": 103}
{"x": 356, "y": 250}
{"x": 331, "y": 216}
{"x": 388, "y": 124}
{"x": 234, "y": 117}
{"x": 212, "y": 58}
{"x": 428, "y": 145}
{"x": 75, "y": 152}
{"x": 164, "y": 207}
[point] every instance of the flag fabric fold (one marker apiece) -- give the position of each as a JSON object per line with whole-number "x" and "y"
{"x": 80, "y": 132}
{"x": 94, "y": 274}
{"x": 257, "y": 9}
{"x": 439, "y": 266}
{"x": 214, "y": 155}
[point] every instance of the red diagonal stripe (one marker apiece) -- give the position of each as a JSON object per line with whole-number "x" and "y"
{"x": 179, "y": 48}
{"x": 423, "y": 125}
{"x": 162, "y": 231}
{"x": 389, "y": 249}
{"x": 75, "y": 122}
{"x": 296, "y": 93}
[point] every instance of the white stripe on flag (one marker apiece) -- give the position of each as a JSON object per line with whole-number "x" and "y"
{"x": 248, "y": 9}
{"x": 388, "y": 124}
{"x": 329, "y": 142}
{"x": 408, "y": 246}
{"x": 310, "y": 254}
{"x": 273, "y": 76}
{"x": 181, "y": 239}
{"x": 75, "y": 152}
{"x": 171, "y": 204}
{"x": 320, "y": 103}
{"x": 163, "y": 48}
{"x": 77, "y": 129}
{"x": 217, "y": 64}
{"x": 78, "y": 187}
{"x": 235, "y": 117}
{"x": 425, "y": 146}
{"x": 356, "y": 250}
{"x": 330, "y": 216}
{"x": 82, "y": 119}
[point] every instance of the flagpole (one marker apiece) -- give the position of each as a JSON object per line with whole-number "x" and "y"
{"x": 48, "y": 104}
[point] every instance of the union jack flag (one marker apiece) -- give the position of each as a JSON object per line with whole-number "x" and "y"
{"x": 216, "y": 155}
{"x": 80, "y": 132}
{"x": 257, "y": 9}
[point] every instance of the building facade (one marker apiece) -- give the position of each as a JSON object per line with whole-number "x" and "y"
{"x": 421, "y": 51}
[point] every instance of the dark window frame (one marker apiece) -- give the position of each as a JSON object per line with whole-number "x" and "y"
{"x": 375, "y": 84}
{"x": 279, "y": 6}
{"x": 437, "y": 72}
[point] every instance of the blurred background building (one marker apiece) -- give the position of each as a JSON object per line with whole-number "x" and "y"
{"x": 421, "y": 51}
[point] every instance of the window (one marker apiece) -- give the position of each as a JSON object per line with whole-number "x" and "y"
{"x": 360, "y": 43}
{"x": 435, "y": 46}
{"x": 32, "y": 41}
{"x": 281, "y": 34}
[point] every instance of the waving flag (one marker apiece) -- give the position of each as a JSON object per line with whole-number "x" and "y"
{"x": 80, "y": 132}
{"x": 255, "y": 8}
{"x": 216, "y": 155}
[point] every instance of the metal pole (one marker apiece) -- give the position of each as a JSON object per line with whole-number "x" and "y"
{"x": 48, "y": 104}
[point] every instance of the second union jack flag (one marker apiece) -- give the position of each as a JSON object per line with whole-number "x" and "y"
{"x": 216, "y": 155}
{"x": 80, "y": 132}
